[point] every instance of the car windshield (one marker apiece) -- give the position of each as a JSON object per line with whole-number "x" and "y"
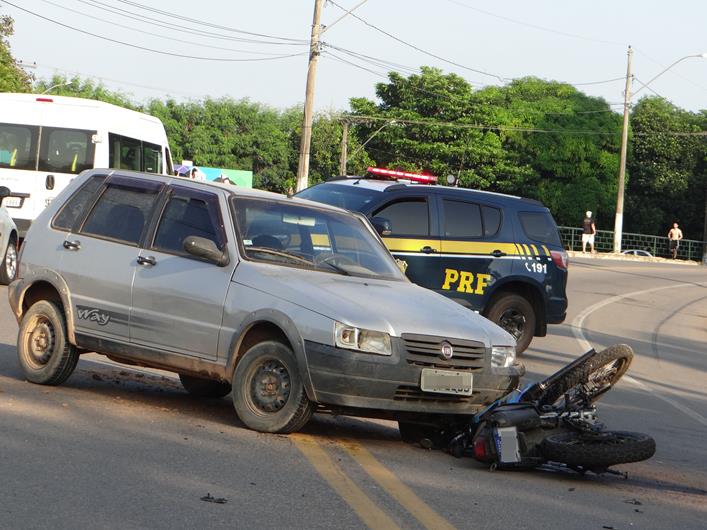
{"x": 302, "y": 236}
{"x": 344, "y": 196}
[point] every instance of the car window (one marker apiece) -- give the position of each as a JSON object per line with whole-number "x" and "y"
{"x": 297, "y": 235}
{"x": 121, "y": 213}
{"x": 66, "y": 150}
{"x": 410, "y": 217}
{"x": 540, "y": 226}
{"x": 492, "y": 220}
{"x": 462, "y": 219}
{"x": 76, "y": 207}
{"x": 18, "y": 146}
{"x": 189, "y": 214}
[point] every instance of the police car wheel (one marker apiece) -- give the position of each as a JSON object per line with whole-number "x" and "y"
{"x": 515, "y": 314}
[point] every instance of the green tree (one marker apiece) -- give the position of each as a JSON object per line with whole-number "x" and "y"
{"x": 12, "y": 77}
{"x": 60, "y": 85}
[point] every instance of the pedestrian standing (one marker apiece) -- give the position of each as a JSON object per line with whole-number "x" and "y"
{"x": 674, "y": 235}
{"x": 589, "y": 229}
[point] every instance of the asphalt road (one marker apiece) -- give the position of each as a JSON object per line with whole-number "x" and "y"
{"x": 116, "y": 447}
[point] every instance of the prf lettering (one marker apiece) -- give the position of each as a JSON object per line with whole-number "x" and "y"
{"x": 465, "y": 281}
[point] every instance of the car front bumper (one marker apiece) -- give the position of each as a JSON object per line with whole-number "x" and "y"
{"x": 351, "y": 379}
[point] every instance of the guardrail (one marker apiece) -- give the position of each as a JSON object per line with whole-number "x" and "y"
{"x": 656, "y": 245}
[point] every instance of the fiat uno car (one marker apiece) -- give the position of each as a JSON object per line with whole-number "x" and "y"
{"x": 288, "y": 305}
{"x": 496, "y": 254}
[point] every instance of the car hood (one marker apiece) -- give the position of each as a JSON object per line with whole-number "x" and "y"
{"x": 395, "y": 307}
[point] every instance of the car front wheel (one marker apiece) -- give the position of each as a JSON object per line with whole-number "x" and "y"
{"x": 8, "y": 267}
{"x": 515, "y": 314}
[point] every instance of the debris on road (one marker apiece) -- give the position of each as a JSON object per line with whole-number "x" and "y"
{"x": 215, "y": 500}
{"x": 635, "y": 502}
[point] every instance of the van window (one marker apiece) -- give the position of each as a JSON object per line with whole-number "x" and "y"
{"x": 152, "y": 157}
{"x": 461, "y": 219}
{"x": 18, "y": 146}
{"x": 66, "y": 150}
{"x": 121, "y": 213}
{"x": 75, "y": 208}
{"x": 407, "y": 217}
{"x": 124, "y": 152}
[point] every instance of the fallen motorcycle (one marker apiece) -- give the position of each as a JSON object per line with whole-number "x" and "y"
{"x": 555, "y": 421}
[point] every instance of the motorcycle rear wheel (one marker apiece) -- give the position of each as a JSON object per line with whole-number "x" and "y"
{"x": 597, "y": 374}
{"x": 589, "y": 452}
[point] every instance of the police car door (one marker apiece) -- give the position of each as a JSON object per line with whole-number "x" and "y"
{"x": 473, "y": 253}
{"x": 414, "y": 237}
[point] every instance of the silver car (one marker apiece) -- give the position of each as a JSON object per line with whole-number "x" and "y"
{"x": 288, "y": 305}
{"x": 8, "y": 242}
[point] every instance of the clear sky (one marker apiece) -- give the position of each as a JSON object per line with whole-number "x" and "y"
{"x": 571, "y": 41}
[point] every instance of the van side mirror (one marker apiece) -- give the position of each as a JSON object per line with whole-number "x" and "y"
{"x": 206, "y": 249}
{"x": 382, "y": 226}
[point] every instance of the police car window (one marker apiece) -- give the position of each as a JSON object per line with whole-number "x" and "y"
{"x": 492, "y": 220}
{"x": 408, "y": 217}
{"x": 186, "y": 216}
{"x": 76, "y": 207}
{"x": 345, "y": 196}
{"x": 121, "y": 213}
{"x": 540, "y": 226}
{"x": 462, "y": 219}
{"x": 66, "y": 150}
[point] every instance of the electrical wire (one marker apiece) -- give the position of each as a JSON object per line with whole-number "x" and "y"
{"x": 153, "y": 50}
{"x": 156, "y": 35}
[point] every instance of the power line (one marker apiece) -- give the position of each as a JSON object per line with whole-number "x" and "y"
{"x": 417, "y": 48}
{"x": 144, "y": 48}
{"x": 156, "y": 35}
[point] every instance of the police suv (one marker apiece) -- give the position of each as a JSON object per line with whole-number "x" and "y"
{"x": 497, "y": 254}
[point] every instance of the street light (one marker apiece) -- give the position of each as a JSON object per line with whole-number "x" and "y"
{"x": 619, "y": 221}
{"x": 65, "y": 83}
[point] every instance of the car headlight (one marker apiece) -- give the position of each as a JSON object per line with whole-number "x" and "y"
{"x": 503, "y": 356}
{"x": 353, "y": 338}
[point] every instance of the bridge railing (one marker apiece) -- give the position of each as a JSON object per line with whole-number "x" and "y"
{"x": 656, "y": 245}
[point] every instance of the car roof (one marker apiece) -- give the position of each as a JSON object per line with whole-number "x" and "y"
{"x": 388, "y": 185}
{"x": 231, "y": 189}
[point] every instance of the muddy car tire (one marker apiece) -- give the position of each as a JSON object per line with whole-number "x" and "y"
{"x": 43, "y": 349}
{"x": 205, "y": 388}
{"x": 616, "y": 447}
{"x": 268, "y": 393}
{"x": 516, "y": 315}
{"x": 8, "y": 266}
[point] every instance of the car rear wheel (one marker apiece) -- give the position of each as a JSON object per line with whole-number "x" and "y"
{"x": 44, "y": 352}
{"x": 515, "y": 314}
{"x": 8, "y": 267}
{"x": 268, "y": 393}
{"x": 206, "y": 388}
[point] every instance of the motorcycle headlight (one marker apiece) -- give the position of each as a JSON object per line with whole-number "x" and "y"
{"x": 353, "y": 338}
{"x": 503, "y": 356}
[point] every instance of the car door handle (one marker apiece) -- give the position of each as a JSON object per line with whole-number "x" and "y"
{"x": 72, "y": 245}
{"x": 427, "y": 250}
{"x": 49, "y": 182}
{"x": 146, "y": 260}
{"x": 498, "y": 253}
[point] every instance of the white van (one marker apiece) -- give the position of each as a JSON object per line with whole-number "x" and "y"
{"x": 45, "y": 141}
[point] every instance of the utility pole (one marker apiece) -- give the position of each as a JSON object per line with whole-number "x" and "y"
{"x": 619, "y": 222}
{"x": 344, "y": 147}
{"x": 303, "y": 166}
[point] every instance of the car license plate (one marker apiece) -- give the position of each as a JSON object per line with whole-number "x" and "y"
{"x": 12, "y": 202}
{"x": 446, "y": 382}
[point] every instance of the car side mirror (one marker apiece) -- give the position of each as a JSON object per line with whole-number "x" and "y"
{"x": 4, "y": 192}
{"x": 382, "y": 226}
{"x": 206, "y": 249}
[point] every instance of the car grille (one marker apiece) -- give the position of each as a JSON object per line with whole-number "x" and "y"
{"x": 414, "y": 394}
{"x": 425, "y": 350}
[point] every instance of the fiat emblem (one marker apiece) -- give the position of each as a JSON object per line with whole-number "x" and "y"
{"x": 447, "y": 351}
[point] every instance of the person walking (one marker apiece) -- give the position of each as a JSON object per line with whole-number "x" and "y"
{"x": 589, "y": 229}
{"x": 674, "y": 235}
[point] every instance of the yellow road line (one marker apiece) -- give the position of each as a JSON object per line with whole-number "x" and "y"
{"x": 369, "y": 512}
{"x": 395, "y": 487}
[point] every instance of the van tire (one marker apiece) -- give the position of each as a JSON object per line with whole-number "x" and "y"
{"x": 205, "y": 388}
{"x": 44, "y": 352}
{"x": 8, "y": 266}
{"x": 515, "y": 314}
{"x": 268, "y": 392}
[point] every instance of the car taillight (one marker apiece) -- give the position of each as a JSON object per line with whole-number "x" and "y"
{"x": 559, "y": 258}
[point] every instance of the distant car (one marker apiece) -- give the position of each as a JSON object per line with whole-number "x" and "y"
{"x": 637, "y": 252}
{"x": 8, "y": 242}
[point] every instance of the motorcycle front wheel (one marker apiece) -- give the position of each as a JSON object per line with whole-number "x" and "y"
{"x": 597, "y": 374}
{"x": 597, "y": 452}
